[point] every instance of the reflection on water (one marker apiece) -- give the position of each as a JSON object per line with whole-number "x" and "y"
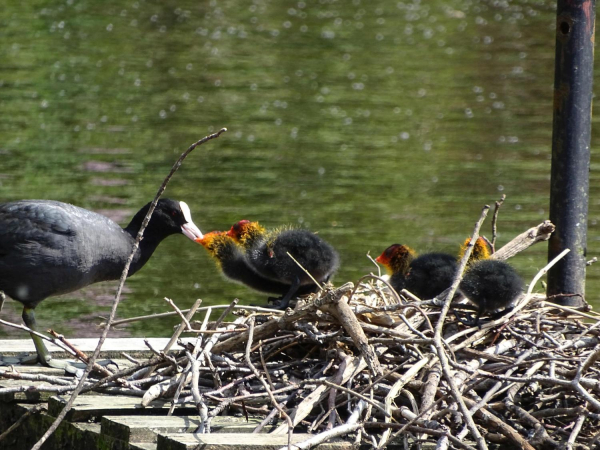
{"x": 369, "y": 122}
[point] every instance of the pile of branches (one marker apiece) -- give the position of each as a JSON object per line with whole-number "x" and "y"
{"x": 366, "y": 364}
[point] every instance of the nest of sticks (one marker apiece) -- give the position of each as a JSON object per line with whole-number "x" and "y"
{"x": 365, "y": 364}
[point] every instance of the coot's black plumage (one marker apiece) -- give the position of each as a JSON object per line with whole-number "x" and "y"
{"x": 49, "y": 248}
{"x": 267, "y": 253}
{"x": 492, "y": 285}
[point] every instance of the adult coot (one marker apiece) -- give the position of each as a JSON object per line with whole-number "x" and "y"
{"x": 49, "y": 248}
{"x": 492, "y": 285}
{"x": 266, "y": 252}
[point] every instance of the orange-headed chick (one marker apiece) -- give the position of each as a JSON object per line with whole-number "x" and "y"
{"x": 268, "y": 253}
{"x": 230, "y": 258}
{"x": 396, "y": 259}
{"x": 425, "y": 276}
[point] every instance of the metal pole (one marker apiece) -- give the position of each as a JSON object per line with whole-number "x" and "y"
{"x": 571, "y": 147}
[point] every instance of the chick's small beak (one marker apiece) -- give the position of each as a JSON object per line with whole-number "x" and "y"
{"x": 191, "y": 231}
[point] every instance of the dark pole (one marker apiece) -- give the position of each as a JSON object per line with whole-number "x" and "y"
{"x": 571, "y": 147}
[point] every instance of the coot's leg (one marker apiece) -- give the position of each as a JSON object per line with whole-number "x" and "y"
{"x": 479, "y": 313}
{"x": 290, "y": 294}
{"x": 2, "y": 298}
{"x": 505, "y": 311}
{"x": 44, "y": 356}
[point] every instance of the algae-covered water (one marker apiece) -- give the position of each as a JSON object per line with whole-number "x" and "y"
{"x": 370, "y": 122}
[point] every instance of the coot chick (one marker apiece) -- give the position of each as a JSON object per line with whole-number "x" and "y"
{"x": 49, "y": 248}
{"x": 230, "y": 258}
{"x": 492, "y": 285}
{"x": 431, "y": 274}
{"x": 396, "y": 259}
{"x": 267, "y": 253}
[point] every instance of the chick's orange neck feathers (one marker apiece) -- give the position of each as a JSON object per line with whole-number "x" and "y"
{"x": 482, "y": 249}
{"x": 213, "y": 241}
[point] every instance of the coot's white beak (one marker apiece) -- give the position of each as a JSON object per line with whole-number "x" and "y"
{"x": 189, "y": 229}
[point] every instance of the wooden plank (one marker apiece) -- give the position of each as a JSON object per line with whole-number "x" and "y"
{"x": 146, "y": 429}
{"x": 69, "y": 435}
{"x": 93, "y": 407}
{"x": 233, "y": 441}
{"x": 23, "y": 396}
{"x": 33, "y": 396}
{"x": 11, "y": 347}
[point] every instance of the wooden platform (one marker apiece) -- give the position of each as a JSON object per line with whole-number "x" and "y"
{"x": 119, "y": 422}
{"x": 112, "y": 346}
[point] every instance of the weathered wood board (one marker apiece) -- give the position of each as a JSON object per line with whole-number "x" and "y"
{"x": 146, "y": 429}
{"x": 90, "y": 407}
{"x": 232, "y": 441}
{"x": 118, "y": 422}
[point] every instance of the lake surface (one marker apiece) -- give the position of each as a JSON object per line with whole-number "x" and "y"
{"x": 370, "y": 122}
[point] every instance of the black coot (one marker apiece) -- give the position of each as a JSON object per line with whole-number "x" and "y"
{"x": 267, "y": 253}
{"x": 492, "y": 285}
{"x": 49, "y": 248}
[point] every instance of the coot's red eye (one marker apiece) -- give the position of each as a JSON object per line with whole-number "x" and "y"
{"x": 174, "y": 213}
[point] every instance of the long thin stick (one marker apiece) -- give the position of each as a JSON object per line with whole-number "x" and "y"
{"x": 439, "y": 346}
{"x": 113, "y": 311}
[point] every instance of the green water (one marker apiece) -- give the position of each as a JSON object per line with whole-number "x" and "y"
{"x": 370, "y": 122}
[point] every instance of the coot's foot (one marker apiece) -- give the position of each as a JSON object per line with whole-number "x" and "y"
{"x": 70, "y": 367}
{"x": 468, "y": 319}
{"x": 499, "y": 314}
{"x": 474, "y": 321}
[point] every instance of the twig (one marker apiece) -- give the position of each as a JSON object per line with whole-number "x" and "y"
{"x": 439, "y": 346}
{"x": 185, "y": 321}
{"x": 56, "y": 342}
{"x": 265, "y": 385}
{"x": 82, "y": 356}
{"x": 113, "y": 311}
{"x": 305, "y": 271}
{"x": 34, "y": 410}
{"x": 495, "y": 220}
{"x": 174, "y": 313}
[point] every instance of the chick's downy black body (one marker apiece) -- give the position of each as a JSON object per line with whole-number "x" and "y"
{"x": 49, "y": 248}
{"x": 267, "y": 254}
{"x": 430, "y": 274}
{"x": 492, "y": 285}
{"x": 232, "y": 261}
